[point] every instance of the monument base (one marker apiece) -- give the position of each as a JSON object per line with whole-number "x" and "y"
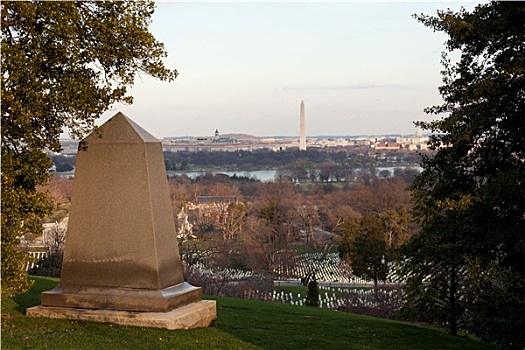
{"x": 195, "y": 315}
{"x": 122, "y": 299}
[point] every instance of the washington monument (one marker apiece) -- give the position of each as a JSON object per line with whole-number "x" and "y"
{"x": 302, "y": 131}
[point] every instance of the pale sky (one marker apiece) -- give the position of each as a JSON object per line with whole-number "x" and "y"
{"x": 361, "y": 68}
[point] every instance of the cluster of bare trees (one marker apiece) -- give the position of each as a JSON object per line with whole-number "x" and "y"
{"x": 272, "y": 221}
{"x": 60, "y": 190}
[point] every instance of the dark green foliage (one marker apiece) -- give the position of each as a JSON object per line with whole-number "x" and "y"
{"x": 498, "y": 313}
{"x": 22, "y": 210}
{"x": 367, "y": 249}
{"x": 470, "y": 195}
{"x": 312, "y": 294}
{"x": 63, "y": 163}
{"x": 63, "y": 65}
{"x": 369, "y": 243}
{"x": 437, "y": 293}
{"x": 64, "y": 168}
{"x": 49, "y": 266}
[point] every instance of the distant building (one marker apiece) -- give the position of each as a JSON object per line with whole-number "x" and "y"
{"x": 218, "y": 139}
{"x": 388, "y": 146}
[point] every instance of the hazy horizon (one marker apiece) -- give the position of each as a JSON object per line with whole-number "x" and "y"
{"x": 361, "y": 69}
{"x": 283, "y": 136}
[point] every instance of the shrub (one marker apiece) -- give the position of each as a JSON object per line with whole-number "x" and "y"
{"x": 312, "y": 295}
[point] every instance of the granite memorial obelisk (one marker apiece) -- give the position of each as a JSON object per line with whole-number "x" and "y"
{"x": 121, "y": 259}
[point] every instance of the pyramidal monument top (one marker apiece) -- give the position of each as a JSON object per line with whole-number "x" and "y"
{"x": 120, "y": 128}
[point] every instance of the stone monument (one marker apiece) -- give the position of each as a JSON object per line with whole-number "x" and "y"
{"x": 302, "y": 128}
{"x": 121, "y": 258}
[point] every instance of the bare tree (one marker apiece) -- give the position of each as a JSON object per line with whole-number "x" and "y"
{"x": 60, "y": 190}
{"x": 54, "y": 239}
{"x": 308, "y": 218}
{"x": 232, "y": 221}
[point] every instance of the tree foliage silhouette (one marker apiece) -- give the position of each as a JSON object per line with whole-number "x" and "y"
{"x": 470, "y": 195}
{"x": 63, "y": 65}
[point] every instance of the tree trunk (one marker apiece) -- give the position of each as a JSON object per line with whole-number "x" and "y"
{"x": 453, "y": 312}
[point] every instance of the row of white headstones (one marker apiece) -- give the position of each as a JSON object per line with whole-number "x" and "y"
{"x": 331, "y": 298}
{"x": 327, "y": 268}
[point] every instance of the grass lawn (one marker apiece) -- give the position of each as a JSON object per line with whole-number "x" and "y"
{"x": 241, "y": 324}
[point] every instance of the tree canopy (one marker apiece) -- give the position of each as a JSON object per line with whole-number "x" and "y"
{"x": 470, "y": 197}
{"x": 63, "y": 64}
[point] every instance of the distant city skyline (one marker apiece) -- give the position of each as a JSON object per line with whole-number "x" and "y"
{"x": 361, "y": 68}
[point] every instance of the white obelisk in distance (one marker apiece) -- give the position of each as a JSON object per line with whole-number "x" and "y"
{"x": 302, "y": 131}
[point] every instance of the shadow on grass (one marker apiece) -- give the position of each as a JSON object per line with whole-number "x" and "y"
{"x": 41, "y": 284}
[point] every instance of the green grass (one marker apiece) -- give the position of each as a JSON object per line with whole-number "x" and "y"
{"x": 241, "y": 324}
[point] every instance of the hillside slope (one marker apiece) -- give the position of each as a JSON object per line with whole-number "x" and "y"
{"x": 241, "y": 324}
